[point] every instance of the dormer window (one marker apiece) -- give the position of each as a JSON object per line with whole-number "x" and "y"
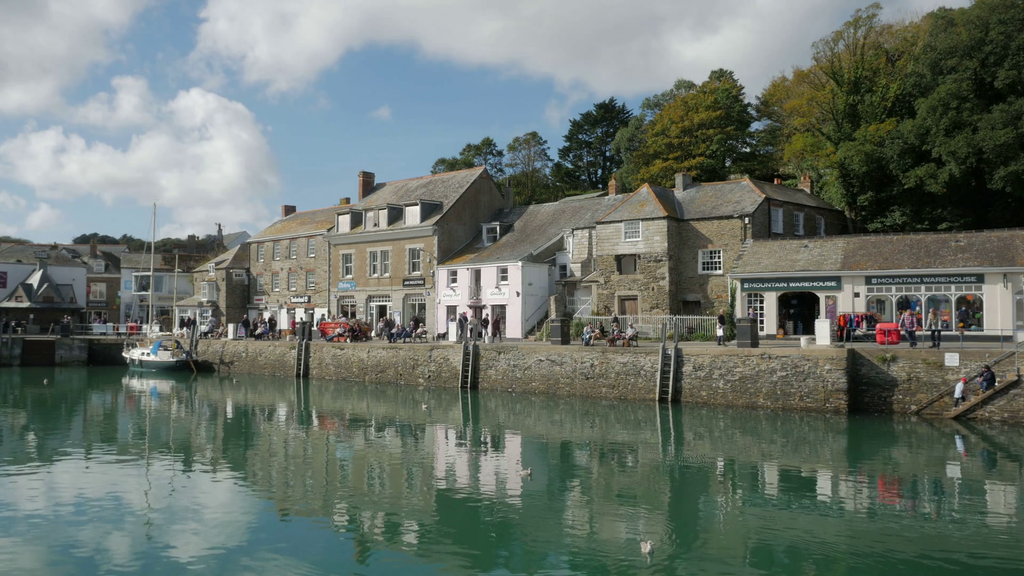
{"x": 412, "y": 215}
{"x": 344, "y": 222}
{"x": 97, "y": 267}
{"x": 371, "y": 219}
{"x": 211, "y": 269}
{"x": 491, "y": 234}
{"x": 382, "y": 218}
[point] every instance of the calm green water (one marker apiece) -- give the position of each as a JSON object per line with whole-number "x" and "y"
{"x": 100, "y": 472}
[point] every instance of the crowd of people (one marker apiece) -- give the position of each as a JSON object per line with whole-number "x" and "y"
{"x": 469, "y": 327}
{"x": 591, "y": 334}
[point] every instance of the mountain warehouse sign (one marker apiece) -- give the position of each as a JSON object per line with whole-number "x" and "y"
{"x": 829, "y": 283}
{"x": 936, "y": 279}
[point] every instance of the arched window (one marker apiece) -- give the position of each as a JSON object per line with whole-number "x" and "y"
{"x": 970, "y": 312}
{"x": 943, "y": 306}
{"x": 626, "y": 264}
{"x": 910, "y": 302}
{"x": 755, "y": 306}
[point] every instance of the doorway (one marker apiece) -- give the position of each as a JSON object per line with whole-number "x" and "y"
{"x": 629, "y": 306}
{"x": 798, "y": 311}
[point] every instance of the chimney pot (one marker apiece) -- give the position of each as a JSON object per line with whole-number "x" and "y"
{"x": 613, "y": 186}
{"x": 287, "y": 210}
{"x": 366, "y": 183}
{"x": 805, "y": 183}
{"x": 778, "y": 180}
{"x": 683, "y": 180}
{"x": 344, "y": 201}
{"x": 94, "y": 251}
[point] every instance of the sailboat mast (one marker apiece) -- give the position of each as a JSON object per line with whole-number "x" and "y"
{"x": 152, "y": 260}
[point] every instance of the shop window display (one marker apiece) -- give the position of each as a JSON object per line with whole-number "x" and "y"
{"x": 944, "y": 306}
{"x": 970, "y": 310}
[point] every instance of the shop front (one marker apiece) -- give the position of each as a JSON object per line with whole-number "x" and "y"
{"x": 789, "y": 306}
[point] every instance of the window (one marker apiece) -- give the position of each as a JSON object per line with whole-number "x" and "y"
{"x": 627, "y": 264}
{"x": 710, "y": 261}
{"x": 261, "y": 252}
{"x": 563, "y": 271}
{"x": 347, "y": 307}
{"x": 491, "y": 234}
{"x": 293, "y": 249}
{"x": 211, "y": 269}
{"x": 293, "y": 281}
{"x": 776, "y": 220}
{"x": 310, "y": 280}
{"x": 275, "y": 282}
{"x": 453, "y": 277}
{"x": 415, "y": 261}
{"x": 238, "y": 274}
{"x": 259, "y": 284}
{"x": 412, "y": 215}
{"x": 385, "y": 263}
{"x": 568, "y": 244}
{"x": 97, "y": 291}
{"x": 371, "y": 218}
{"x": 347, "y": 267}
{"x": 755, "y": 309}
{"x": 631, "y": 230}
{"x": 373, "y": 264}
{"x": 502, "y": 275}
{"x": 97, "y": 267}
{"x": 277, "y": 251}
{"x": 311, "y": 248}
{"x": 209, "y": 290}
{"x": 798, "y": 223}
{"x": 820, "y": 221}
{"x": 204, "y": 316}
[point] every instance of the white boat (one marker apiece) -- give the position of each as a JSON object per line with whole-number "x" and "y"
{"x": 160, "y": 354}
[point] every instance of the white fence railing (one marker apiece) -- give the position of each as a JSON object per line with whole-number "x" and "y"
{"x": 688, "y": 327}
{"x": 578, "y": 306}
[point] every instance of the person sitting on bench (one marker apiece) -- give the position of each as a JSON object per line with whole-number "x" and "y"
{"x": 632, "y": 337}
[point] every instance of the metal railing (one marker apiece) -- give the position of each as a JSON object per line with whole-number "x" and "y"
{"x": 685, "y": 328}
{"x": 578, "y": 306}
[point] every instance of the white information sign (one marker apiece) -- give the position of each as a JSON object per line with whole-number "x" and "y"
{"x": 952, "y": 359}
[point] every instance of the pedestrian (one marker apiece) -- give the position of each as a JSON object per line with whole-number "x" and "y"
{"x": 751, "y": 314}
{"x": 987, "y": 379}
{"x": 934, "y": 325}
{"x": 962, "y": 317}
{"x": 245, "y": 326}
{"x": 462, "y": 327}
{"x": 484, "y": 324}
{"x": 474, "y": 328}
{"x": 496, "y": 328}
{"x": 908, "y": 323}
{"x": 615, "y": 320}
{"x": 272, "y": 327}
{"x": 721, "y": 328}
{"x": 958, "y": 393}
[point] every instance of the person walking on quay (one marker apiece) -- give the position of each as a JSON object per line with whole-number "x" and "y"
{"x": 496, "y": 328}
{"x": 474, "y": 328}
{"x": 958, "y": 393}
{"x": 272, "y": 327}
{"x": 987, "y": 379}
{"x": 934, "y": 327}
{"x": 721, "y": 329}
{"x": 485, "y": 324}
{"x": 908, "y": 323}
{"x": 461, "y": 336}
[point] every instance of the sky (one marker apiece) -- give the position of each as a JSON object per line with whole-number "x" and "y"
{"x": 220, "y": 111}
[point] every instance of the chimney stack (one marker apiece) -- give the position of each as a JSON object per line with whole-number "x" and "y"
{"x": 805, "y": 183}
{"x": 366, "y": 182}
{"x": 778, "y": 180}
{"x": 509, "y": 197}
{"x": 287, "y": 210}
{"x": 613, "y": 186}
{"x": 94, "y": 251}
{"x": 683, "y": 180}
{"x": 344, "y": 201}
{"x": 190, "y": 243}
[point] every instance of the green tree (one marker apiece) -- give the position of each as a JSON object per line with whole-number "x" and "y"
{"x": 13, "y": 240}
{"x": 484, "y": 153}
{"x": 705, "y": 132}
{"x": 528, "y": 160}
{"x": 631, "y": 137}
{"x": 587, "y": 155}
{"x": 99, "y": 238}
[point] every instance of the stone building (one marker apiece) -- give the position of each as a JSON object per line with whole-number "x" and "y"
{"x": 102, "y": 280}
{"x": 385, "y": 247}
{"x": 289, "y": 262}
{"x": 221, "y": 288}
{"x": 665, "y": 251}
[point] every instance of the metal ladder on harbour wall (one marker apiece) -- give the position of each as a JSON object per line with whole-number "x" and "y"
{"x": 468, "y": 369}
{"x": 668, "y": 366}
{"x": 302, "y": 353}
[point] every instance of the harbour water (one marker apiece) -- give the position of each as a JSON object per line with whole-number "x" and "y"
{"x": 101, "y": 471}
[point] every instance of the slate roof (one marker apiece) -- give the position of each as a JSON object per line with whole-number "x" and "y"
{"x": 37, "y": 284}
{"x": 882, "y": 252}
{"x": 197, "y": 301}
{"x": 231, "y": 237}
{"x": 27, "y": 254}
{"x": 234, "y": 259}
{"x": 709, "y": 200}
{"x": 300, "y": 223}
{"x": 445, "y": 188}
{"x": 533, "y": 227}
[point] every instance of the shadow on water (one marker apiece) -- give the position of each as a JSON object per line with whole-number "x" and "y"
{"x": 330, "y": 477}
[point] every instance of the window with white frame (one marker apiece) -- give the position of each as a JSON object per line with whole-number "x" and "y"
{"x": 293, "y": 249}
{"x": 491, "y": 234}
{"x": 259, "y": 283}
{"x": 97, "y": 267}
{"x": 777, "y": 221}
{"x": 275, "y": 282}
{"x": 211, "y": 269}
{"x": 371, "y": 218}
{"x": 563, "y": 271}
{"x": 97, "y": 291}
{"x": 453, "y": 278}
{"x": 385, "y": 262}
{"x": 798, "y": 223}
{"x": 503, "y": 275}
{"x": 568, "y": 244}
{"x": 347, "y": 264}
{"x": 415, "y": 258}
{"x": 311, "y": 248}
{"x": 208, "y": 290}
{"x": 293, "y": 281}
{"x": 204, "y": 316}
{"x": 238, "y": 274}
{"x": 710, "y": 261}
{"x": 820, "y": 221}
{"x": 373, "y": 263}
{"x": 631, "y": 230}
{"x": 261, "y": 252}
{"x": 277, "y": 251}
{"x": 755, "y": 309}
{"x": 412, "y": 215}
{"x": 310, "y": 280}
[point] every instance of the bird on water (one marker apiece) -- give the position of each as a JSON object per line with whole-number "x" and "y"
{"x": 646, "y": 546}
{"x": 46, "y": 381}
{"x": 526, "y": 473}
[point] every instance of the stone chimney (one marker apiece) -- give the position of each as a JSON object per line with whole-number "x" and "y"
{"x": 344, "y": 201}
{"x": 778, "y": 180}
{"x": 805, "y": 183}
{"x": 94, "y": 251}
{"x": 509, "y": 197}
{"x": 287, "y": 210}
{"x": 366, "y": 182}
{"x": 683, "y": 180}
{"x": 190, "y": 243}
{"x": 613, "y": 186}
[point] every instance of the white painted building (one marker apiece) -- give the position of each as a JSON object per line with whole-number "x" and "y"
{"x": 165, "y": 286}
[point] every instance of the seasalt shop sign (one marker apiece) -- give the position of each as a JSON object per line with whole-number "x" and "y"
{"x": 827, "y": 283}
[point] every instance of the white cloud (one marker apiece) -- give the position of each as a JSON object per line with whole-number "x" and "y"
{"x": 8, "y": 230}
{"x": 595, "y": 45}
{"x": 44, "y": 217}
{"x": 204, "y": 160}
{"x": 11, "y": 202}
{"x": 49, "y": 45}
{"x": 382, "y": 113}
{"x": 131, "y": 105}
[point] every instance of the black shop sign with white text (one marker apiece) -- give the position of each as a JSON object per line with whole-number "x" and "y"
{"x": 414, "y": 282}
{"x": 822, "y": 283}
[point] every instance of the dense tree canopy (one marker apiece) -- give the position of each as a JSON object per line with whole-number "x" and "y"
{"x": 528, "y": 161}
{"x": 587, "y": 159}
{"x": 13, "y": 240}
{"x": 484, "y": 153}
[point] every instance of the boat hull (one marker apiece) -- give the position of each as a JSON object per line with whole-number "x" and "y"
{"x": 156, "y": 364}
